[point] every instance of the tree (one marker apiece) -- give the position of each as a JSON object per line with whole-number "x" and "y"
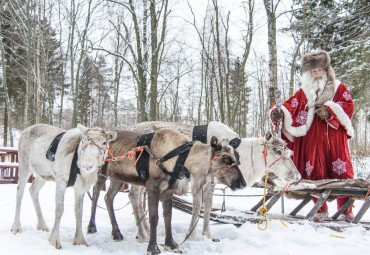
{"x": 270, "y": 8}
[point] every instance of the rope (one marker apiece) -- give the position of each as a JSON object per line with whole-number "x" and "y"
{"x": 137, "y": 208}
{"x": 196, "y": 223}
{"x": 263, "y": 209}
{"x": 223, "y": 208}
{"x": 327, "y": 133}
{"x": 367, "y": 194}
{"x": 130, "y": 155}
{"x": 285, "y": 189}
{"x": 89, "y": 194}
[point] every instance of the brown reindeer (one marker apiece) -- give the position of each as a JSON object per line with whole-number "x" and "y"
{"x": 203, "y": 163}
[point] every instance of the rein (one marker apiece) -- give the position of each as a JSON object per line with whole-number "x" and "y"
{"x": 265, "y": 156}
{"x": 234, "y": 161}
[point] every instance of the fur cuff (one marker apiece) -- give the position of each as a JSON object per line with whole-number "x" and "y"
{"x": 301, "y": 130}
{"x": 341, "y": 116}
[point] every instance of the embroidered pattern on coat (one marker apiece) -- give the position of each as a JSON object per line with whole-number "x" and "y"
{"x": 347, "y": 96}
{"x": 302, "y": 117}
{"x": 339, "y": 167}
{"x": 294, "y": 102}
{"x": 308, "y": 168}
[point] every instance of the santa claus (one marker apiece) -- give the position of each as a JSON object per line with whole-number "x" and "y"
{"x": 316, "y": 123}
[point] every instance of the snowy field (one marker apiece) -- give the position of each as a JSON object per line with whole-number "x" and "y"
{"x": 295, "y": 238}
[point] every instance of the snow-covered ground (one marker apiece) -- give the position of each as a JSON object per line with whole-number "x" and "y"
{"x": 295, "y": 238}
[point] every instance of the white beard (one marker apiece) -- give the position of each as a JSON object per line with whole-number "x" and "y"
{"x": 313, "y": 87}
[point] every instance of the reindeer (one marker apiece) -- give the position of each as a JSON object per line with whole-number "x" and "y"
{"x": 75, "y": 163}
{"x": 253, "y": 166}
{"x": 203, "y": 162}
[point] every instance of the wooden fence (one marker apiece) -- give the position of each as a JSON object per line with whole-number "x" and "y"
{"x": 8, "y": 165}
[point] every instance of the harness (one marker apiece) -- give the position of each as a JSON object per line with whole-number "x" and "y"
{"x": 200, "y": 133}
{"x": 74, "y": 169}
{"x": 50, "y": 154}
{"x": 142, "y": 165}
{"x": 179, "y": 170}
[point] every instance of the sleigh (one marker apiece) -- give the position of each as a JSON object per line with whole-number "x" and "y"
{"x": 304, "y": 192}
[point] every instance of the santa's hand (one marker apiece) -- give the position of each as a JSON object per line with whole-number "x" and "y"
{"x": 276, "y": 116}
{"x": 323, "y": 113}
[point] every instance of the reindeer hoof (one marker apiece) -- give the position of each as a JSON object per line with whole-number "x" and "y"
{"x": 16, "y": 228}
{"x": 43, "y": 228}
{"x": 55, "y": 243}
{"x": 175, "y": 250}
{"x": 91, "y": 229}
{"x": 117, "y": 236}
{"x": 80, "y": 241}
{"x": 142, "y": 238}
{"x": 215, "y": 240}
{"x": 153, "y": 250}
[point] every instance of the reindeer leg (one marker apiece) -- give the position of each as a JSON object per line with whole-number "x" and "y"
{"x": 114, "y": 187}
{"x": 153, "y": 201}
{"x": 192, "y": 232}
{"x": 79, "y": 237}
{"x": 91, "y": 228}
{"x": 169, "y": 244}
{"x": 207, "y": 198}
{"x": 144, "y": 221}
{"x": 35, "y": 188}
{"x": 24, "y": 174}
{"x": 59, "y": 208}
{"x": 135, "y": 196}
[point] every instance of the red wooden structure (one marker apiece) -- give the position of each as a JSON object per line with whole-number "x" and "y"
{"x": 8, "y": 165}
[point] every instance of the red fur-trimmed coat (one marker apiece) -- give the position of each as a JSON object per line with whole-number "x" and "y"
{"x": 320, "y": 147}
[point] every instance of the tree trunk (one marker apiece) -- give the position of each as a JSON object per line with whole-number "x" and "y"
{"x": 38, "y": 67}
{"x": 7, "y": 110}
{"x": 154, "y": 62}
{"x": 271, "y": 22}
{"x": 219, "y": 64}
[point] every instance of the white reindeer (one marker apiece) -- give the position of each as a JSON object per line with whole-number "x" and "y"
{"x": 90, "y": 146}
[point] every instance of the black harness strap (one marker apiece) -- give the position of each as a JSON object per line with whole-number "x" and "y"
{"x": 200, "y": 133}
{"x": 142, "y": 166}
{"x": 50, "y": 154}
{"x": 179, "y": 170}
{"x": 74, "y": 169}
{"x": 235, "y": 144}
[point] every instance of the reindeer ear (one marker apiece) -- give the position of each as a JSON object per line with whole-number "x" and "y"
{"x": 214, "y": 144}
{"x": 268, "y": 135}
{"x": 82, "y": 128}
{"x": 111, "y": 135}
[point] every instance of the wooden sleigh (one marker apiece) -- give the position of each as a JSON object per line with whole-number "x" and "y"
{"x": 305, "y": 191}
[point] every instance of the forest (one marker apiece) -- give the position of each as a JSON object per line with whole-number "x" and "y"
{"x": 114, "y": 63}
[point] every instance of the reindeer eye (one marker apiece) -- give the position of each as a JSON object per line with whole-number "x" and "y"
{"x": 104, "y": 143}
{"x": 227, "y": 161}
{"x": 279, "y": 152}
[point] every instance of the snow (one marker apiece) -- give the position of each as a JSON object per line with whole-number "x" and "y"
{"x": 304, "y": 237}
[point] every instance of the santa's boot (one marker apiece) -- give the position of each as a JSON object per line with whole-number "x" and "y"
{"x": 321, "y": 214}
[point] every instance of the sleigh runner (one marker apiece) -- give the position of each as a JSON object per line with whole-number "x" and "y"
{"x": 323, "y": 190}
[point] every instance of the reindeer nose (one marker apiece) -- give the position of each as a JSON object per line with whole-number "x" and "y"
{"x": 88, "y": 166}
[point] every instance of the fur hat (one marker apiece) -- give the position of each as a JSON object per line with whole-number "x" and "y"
{"x": 319, "y": 59}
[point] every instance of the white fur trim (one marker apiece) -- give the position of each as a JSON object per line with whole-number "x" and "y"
{"x": 301, "y": 130}
{"x": 336, "y": 85}
{"x": 342, "y": 116}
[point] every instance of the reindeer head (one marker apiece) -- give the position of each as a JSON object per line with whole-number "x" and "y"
{"x": 93, "y": 147}
{"x": 277, "y": 159}
{"x": 224, "y": 165}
